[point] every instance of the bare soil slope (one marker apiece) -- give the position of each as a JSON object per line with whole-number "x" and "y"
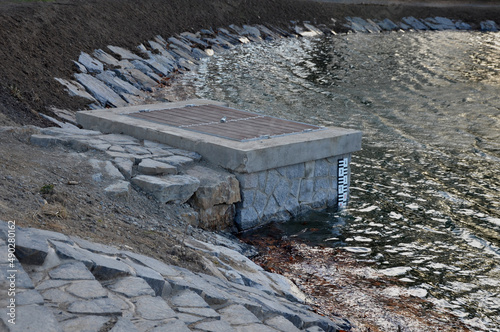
{"x": 39, "y": 40}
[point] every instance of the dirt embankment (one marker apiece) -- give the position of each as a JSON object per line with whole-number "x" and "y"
{"x": 39, "y": 40}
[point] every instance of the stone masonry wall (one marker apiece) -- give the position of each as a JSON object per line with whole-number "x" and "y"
{"x": 281, "y": 193}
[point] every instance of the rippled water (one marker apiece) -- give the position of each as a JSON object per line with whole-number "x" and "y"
{"x": 425, "y": 189}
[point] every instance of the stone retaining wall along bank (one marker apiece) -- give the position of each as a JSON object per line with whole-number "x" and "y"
{"x": 281, "y": 193}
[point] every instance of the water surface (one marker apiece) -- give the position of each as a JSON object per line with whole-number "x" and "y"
{"x": 425, "y": 189}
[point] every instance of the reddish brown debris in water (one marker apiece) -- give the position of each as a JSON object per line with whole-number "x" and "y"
{"x": 338, "y": 285}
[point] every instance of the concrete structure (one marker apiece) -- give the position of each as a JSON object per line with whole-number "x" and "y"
{"x": 279, "y": 176}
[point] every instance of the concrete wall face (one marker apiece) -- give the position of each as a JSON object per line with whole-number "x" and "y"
{"x": 281, "y": 193}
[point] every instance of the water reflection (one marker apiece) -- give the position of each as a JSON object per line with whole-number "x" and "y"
{"x": 425, "y": 196}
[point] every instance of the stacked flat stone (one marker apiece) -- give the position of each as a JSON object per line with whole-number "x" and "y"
{"x": 357, "y": 24}
{"x": 281, "y": 193}
{"x": 65, "y": 283}
{"x": 168, "y": 174}
{"x": 118, "y": 77}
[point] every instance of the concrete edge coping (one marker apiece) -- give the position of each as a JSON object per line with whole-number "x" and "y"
{"x": 241, "y": 157}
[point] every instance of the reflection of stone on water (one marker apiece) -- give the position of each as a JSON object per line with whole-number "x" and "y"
{"x": 338, "y": 284}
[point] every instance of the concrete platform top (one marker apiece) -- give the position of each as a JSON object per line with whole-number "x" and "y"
{"x": 247, "y": 155}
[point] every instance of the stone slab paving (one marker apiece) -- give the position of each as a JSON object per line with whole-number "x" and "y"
{"x": 65, "y": 291}
{"x": 169, "y": 174}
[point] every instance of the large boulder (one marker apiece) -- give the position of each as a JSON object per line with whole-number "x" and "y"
{"x": 172, "y": 188}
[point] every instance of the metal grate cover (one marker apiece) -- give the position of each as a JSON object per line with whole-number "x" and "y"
{"x": 225, "y": 122}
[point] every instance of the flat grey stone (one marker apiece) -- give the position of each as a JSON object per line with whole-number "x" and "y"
{"x": 153, "y": 167}
{"x": 314, "y": 329}
{"x": 154, "y": 264}
{"x": 252, "y": 31}
{"x": 286, "y": 287}
{"x": 193, "y": 38}
{"x": 137, "y": 78}
{"x": 46, "y": 140}
{"x": 124, "y": 325}
{"x": 111, "y": 171}
{"x": 22, "y": 278}
{"x": 125, "y": 166}
{"x": 282, "y": 324}
{"x": 131, "y": 287}
{"x": 387, "y": 25}
{"x": 75, "y": 89}
{"x": 489, "y": 26}
{"x": 177, "y": 161}
{"x": 32, "y": 318}
{"x": 175, "y": 325}
{"x": 159, "y": 153}
{"x": 153, "y": 278}
{"x": 87, "y": 289}
{"x": 282, "y": 192}
{"x": 463, "y": 26}
{"x": 203, "y": 312}
{"x": 58, "y": 296}
{"x": 189, "y": 319}
{"x": 92, "y": 65}
{"x": 4, "y": 254}
{"x": 30, "y": 247}
{"x": 81, "y": 68}
{"x": 440, "y": 23}
{"x": 198, "y": 54}
{"x": 153, "y": 308}
{"x": 142, "y": 66}
{"x": 179, "y": 43}
{"x": 132, "y": 100}
{"x": 86, "y": 323}
{"x": 271, "y": 307}
{"x": 238, "y": 315}
{"x": 28, "y": 297}
{"x": 124, "y": 53}
{"x": 69, "y": 131}
{"x": 254, "y": 328}
{"x": 106, "y": 58}
{"x": 105, "y": 268}
{"x": 103, "y": 307}
{"x": 158, "y": 47}
{"x": 66, "y": 251}
{"x": 415, "y": 23}
{"x": 120, "y": 189}
{"x": 214, "y": 326}
{"x": 100, "y": 91}
{"x": 172, "y": 188}
{"x": 188, "y": 298}
{"x": 71, "y": 271}
{"x": 118, "y": 85}
{"x": 211, "y": 294}
{"x": 117, "y": 148}
{"x": 47, "y": 284}
{"x": 311, "y": 319}
{"x": 95, "y": 247}
{"x": 138, "y": 150}
{"x": 158, "y": 67}
{"x": 118, "y": 139}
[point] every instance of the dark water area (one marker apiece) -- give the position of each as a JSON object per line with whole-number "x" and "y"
{"x": 425, "y": 189}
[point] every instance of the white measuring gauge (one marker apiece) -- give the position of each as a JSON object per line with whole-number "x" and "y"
{"x": 343, "y": 182}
